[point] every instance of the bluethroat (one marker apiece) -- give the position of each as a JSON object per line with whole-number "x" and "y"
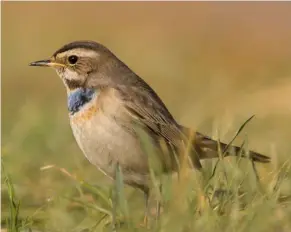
{"x": 109, "y": 105}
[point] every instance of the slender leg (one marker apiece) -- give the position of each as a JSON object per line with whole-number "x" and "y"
{"x": 146, "y": 212}
{"x": 158, "y": 212}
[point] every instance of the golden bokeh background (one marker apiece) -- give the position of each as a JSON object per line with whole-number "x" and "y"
{"x": 213, "y": 63}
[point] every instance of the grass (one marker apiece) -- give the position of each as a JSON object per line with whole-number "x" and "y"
{"x": 12, "y": 221}
{"x": 229, "y": 195}
{"x": 208, "y": 72}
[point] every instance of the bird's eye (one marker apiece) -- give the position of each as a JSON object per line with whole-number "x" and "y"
{"x": 73, "y": 59}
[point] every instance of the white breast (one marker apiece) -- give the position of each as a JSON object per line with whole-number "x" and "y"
{"x": 102, "y": 138}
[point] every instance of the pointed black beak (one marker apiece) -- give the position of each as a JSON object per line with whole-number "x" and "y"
{"x": 41, "y": 63}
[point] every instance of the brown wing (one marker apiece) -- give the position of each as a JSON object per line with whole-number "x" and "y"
{"x": 146, "y": 108}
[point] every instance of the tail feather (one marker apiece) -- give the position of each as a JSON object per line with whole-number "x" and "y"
{"x": 257, "y": 157}
{"x": 207, "y": 148}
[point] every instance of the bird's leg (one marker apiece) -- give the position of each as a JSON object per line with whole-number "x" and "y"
{"x": 147, "y": 207}
{"x": 146, "y": 212}
{"x": 158, "y": 209}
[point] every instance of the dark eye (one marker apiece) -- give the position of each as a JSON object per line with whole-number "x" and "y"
{"x": 73, "y": 59}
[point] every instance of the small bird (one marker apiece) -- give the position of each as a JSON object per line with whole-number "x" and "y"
{"x": 109, "y": 105}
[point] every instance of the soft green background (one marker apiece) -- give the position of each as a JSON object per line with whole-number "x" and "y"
{"x": 214, "y": 65}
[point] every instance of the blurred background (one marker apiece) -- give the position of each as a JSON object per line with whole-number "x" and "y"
{"x": 214, "y": 64}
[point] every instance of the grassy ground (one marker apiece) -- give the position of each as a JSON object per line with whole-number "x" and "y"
{"x": 214, "y": 65}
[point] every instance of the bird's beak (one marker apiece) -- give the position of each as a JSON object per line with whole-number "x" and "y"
{"x": 46, "y": 63}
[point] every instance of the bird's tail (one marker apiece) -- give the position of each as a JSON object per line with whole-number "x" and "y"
{"x": 207, "y": 148}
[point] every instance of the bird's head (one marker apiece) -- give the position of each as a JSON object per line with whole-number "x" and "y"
{"x": 83, "y": 64}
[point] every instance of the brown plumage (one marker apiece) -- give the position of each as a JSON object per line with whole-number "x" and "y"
{"x": 123, "y": 103}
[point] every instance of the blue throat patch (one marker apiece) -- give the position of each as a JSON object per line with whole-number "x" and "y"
{"x": 78, "y": 98}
